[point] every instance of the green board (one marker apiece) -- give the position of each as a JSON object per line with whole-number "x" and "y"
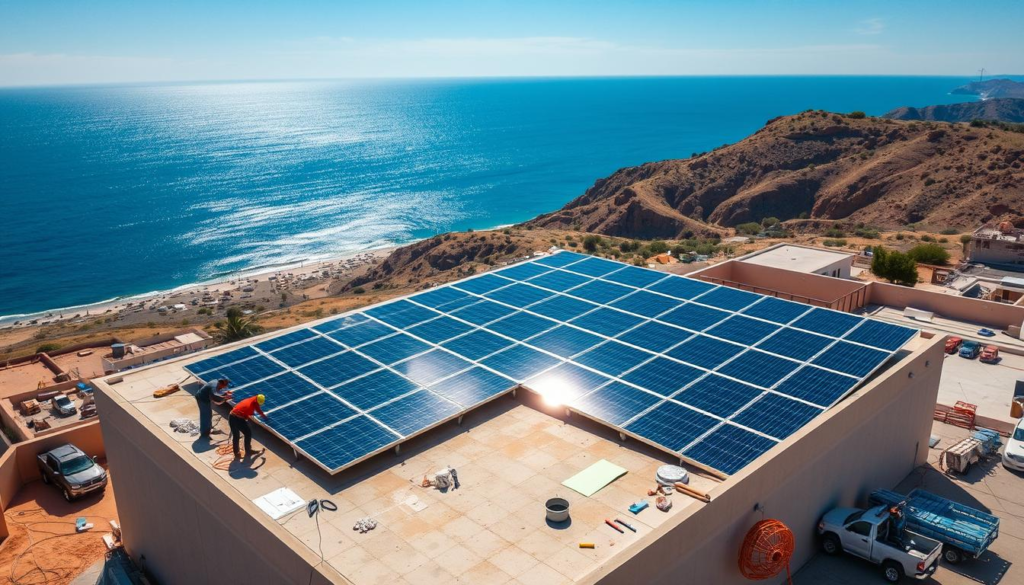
{"x": 589, "y": 481}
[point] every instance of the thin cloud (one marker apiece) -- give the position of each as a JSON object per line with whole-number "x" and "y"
{"x": 870, "y": 27}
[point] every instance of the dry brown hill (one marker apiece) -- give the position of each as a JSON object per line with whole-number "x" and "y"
{"x": 814, "y": 165}
{"x": 1002, "y": 109}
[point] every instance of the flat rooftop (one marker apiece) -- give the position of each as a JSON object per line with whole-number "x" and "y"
{"x": 798, "y": 258}
{"x": 511, "y": 455}
{"x": 87, "y": 366}
{"x": 24, "y": 377}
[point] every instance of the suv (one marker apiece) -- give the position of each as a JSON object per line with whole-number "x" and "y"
{"x": 970, "y": 349}
{"x": 72, "y": 471}
{"x": 63, "y": 405}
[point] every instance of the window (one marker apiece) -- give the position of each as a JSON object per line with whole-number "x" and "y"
{"x": 861, "y": 528}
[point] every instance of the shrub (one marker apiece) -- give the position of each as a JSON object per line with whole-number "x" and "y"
{"x": 929, "y": 182}
{"x": 866, "y": 233}
{"x": 803, "y": 215}
{"x": 359, "y": 290}
{"x": 834, "y": 232}
{"x": 929, "y": 254}
{"x": 834, "y": 243}
{"x": 750, "y": 228}
{"x": 965, "y": 238}
{"x": 900, "y": 236}
{"x": 949, "y": 232}
{"x": 927, "y": 238}
{"x": 47, "y": 347}
{"x": 858, "y": 115}
{"x": 769, "y": 221}
{"x": 591, "y": 243}
{"x": 894, "y": 266}
{"x": 943, "y": 240}
{"x": 656, "y": 247}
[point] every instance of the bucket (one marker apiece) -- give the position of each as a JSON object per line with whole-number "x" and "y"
{"x": 557, "y": 509}
{"x": 1016, "y": 408}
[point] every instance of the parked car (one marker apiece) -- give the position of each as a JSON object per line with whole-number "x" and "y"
{"x": 970, "y": 349}
{"x": 63, "y": 405}
{"x": 989, "y": 355}
{"x": 953, "y": 344}
{"x": 72, "y": 471}
{"x": 878, "y": 535}
{"x": 1013, "y": 452}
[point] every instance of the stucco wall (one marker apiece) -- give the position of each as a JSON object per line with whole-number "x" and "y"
{"x": 992, "y": 314}
{"x": 180, "y": 526}
{"x": 865, "y": 443}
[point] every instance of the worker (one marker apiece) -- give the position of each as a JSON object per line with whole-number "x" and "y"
{"x": 239, "y": 422}
{"x": 214, "y": 392}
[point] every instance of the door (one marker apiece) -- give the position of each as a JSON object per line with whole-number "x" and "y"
{"x": 858, "y": 539}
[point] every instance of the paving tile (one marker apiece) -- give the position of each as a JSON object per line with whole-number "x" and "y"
{"x": 541, "y": 574}
{"x": 486, "y": 543}
{"x": 571, "y": 563}
{"x": 484, "y": 572}
{"x": 540, "y": 544}
{"x": 513, "y": 560}
{"x": 404, "y": 561}
{"x": 458, "y": 559}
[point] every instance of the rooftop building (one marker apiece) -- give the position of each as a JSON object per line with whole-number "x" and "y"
{"x": 635, "y": 367}
{"x": 122, "y": 356}
{"x": 804, "y": 259}
{"x": 997, "y": 244}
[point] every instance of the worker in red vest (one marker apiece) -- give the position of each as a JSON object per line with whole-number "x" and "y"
{"x": 239, "y": 422}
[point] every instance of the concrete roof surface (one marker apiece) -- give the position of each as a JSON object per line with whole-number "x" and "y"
{"x": 799, "y": 258}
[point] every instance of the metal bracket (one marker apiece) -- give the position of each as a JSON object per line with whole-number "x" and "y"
{"x": 296, "y": 452}
{"x": 460, "y": 419}
{"x": 622, "y": 436}
{"x": 398, "y": 449}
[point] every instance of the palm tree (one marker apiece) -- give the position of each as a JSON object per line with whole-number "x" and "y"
{"x": 237, "y": 326}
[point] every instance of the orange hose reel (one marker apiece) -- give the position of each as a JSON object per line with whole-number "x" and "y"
{"x": 766, "y": 550}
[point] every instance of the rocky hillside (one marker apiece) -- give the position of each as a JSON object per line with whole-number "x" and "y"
{"x": 819, "y": 166}
{"x": 993, "y": 88}
{"x": 1002, "y": 109}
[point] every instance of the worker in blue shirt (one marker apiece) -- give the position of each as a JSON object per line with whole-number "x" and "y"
{"x": 211, "y": 393}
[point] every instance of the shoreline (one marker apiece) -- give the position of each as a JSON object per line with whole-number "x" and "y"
{"x": 217, "y": 284}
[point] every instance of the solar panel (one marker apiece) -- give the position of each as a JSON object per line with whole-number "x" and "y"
{"x": 713, "y": 373}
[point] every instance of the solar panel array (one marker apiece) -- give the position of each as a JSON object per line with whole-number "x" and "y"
{"x": 713, "y": 374}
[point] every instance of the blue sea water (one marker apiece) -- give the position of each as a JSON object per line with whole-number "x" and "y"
{"x": 110, "y": 191}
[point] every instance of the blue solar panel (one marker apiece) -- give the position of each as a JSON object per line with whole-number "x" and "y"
{"x": 401, "y": 314}
{"x": 717, "y": 395}
{"x": 430, "y": 367}
{"x": 415, "y": 412}
{"x": 392, "y": 349}
{"x": 341, "y": 322}
{"x": 294, "y": 356}
{"x": 439, "y": 330}
{"x": 221, "y": 360}
{"x": 595, "y": 266}
{"x": 680, "y": 287}
{"x": 521, "y": 325}
{"x": 758, "y": 368}
{"x": 613, "y": 358}
{"x": 881, "y": 335}
{"x": 559, "y": 280}
{"x": 565, "y": 383}
{"x": 728, "y": 449}
{"x": 777, "y": 416}
{"x": 562, "y": 308}
{"x": 646, "y": 304}
{"x": 615, "y": 403}
{"x": 357, "y": 335}
{"x": 483, "y": 312}
{"x": 519, "y": 295}
{"x": 704, "y": 351}
{"x": 565, "y": 341}
{"x": 655, "y": 336}
{"x": 287, "y": 339}
{"x": 561, "y": 259}
{"x": 520, "y": 362}
{"x": 244, "y": 372}
{"x": 664, "y": 376}
{"x": 600, "y": 292}
{"x": 472, "y": 387}
{"x": 525, "y": 270}
{"x": 477, "y": 344}
{"x": 848, "y": 358}
{"x": 776, "y": 310}
{"x": 694, "y": 317}
{"x": 278, "y": 390}
{"x": 337, "y": 369}
{"x": 483, "y": 284}
{"x": 439, "y": 297}
{"x": 795, "y": 344}
{"x": 671, "y": 425}
{"x": 347, "y": 442}
{"x": 827, "y": 322}
{"x": 374, "y": 389}
{"x": 307, "y": 416}
{"x": 742, "y": 330}
{"x": 607, "y": 321}
{"x": 817, "y": 386}
{"x": 633, "y": 276}
{"x": 728, "y": 298}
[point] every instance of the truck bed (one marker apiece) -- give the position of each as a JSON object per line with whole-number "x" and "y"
{"x": 966, "y": 528}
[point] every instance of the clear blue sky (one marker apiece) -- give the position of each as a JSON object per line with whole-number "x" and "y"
{"x": 95, "y": 41}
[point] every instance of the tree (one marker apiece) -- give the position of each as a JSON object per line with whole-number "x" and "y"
{"x": 929, "y": 254}
{"x": 857, "y": 115}
{"x": 237, "y": 326}
{"x": 769, "y": 221}
{"x": 591, "y": 243}
{"x": 896, "y": 267}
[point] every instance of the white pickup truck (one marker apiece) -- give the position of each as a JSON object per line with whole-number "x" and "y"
{"x": 877, "y": 535}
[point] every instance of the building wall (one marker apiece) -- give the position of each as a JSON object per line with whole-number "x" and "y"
{"x": 180, "y": 526}
{"x": 813, "y": 289}
{"x": 871, "y": 440}
{"x": 987, "y": 313}
{"x": 986, "y": 251}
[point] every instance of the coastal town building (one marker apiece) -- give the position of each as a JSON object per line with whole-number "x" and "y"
{"x": 512, "y": 454}
{"x": 999, "y": 245}
{"x": 122, "y": 356}
{"x": 804, "y": 259}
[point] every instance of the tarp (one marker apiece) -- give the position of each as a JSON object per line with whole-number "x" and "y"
{"x": 589, "y": 481}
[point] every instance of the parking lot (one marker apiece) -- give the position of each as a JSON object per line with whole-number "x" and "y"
{"x": 988, "y": 486}
{"x": 990, "y": 386}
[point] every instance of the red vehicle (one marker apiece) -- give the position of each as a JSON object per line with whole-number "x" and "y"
{"x": 953, "y": 344}
{"x": 990, "y": 354}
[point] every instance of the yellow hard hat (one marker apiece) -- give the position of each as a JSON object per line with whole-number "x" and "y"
{"x": 260, "y": 399}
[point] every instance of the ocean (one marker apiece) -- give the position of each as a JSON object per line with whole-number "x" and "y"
{"x": 110, "y": 191}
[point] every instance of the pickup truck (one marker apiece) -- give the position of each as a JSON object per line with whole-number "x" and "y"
{"x": 878, "y": 535}
{"x": 63, "y": 405}
{"x": 72, "y": 471}
{"x": 965, "y": 533}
